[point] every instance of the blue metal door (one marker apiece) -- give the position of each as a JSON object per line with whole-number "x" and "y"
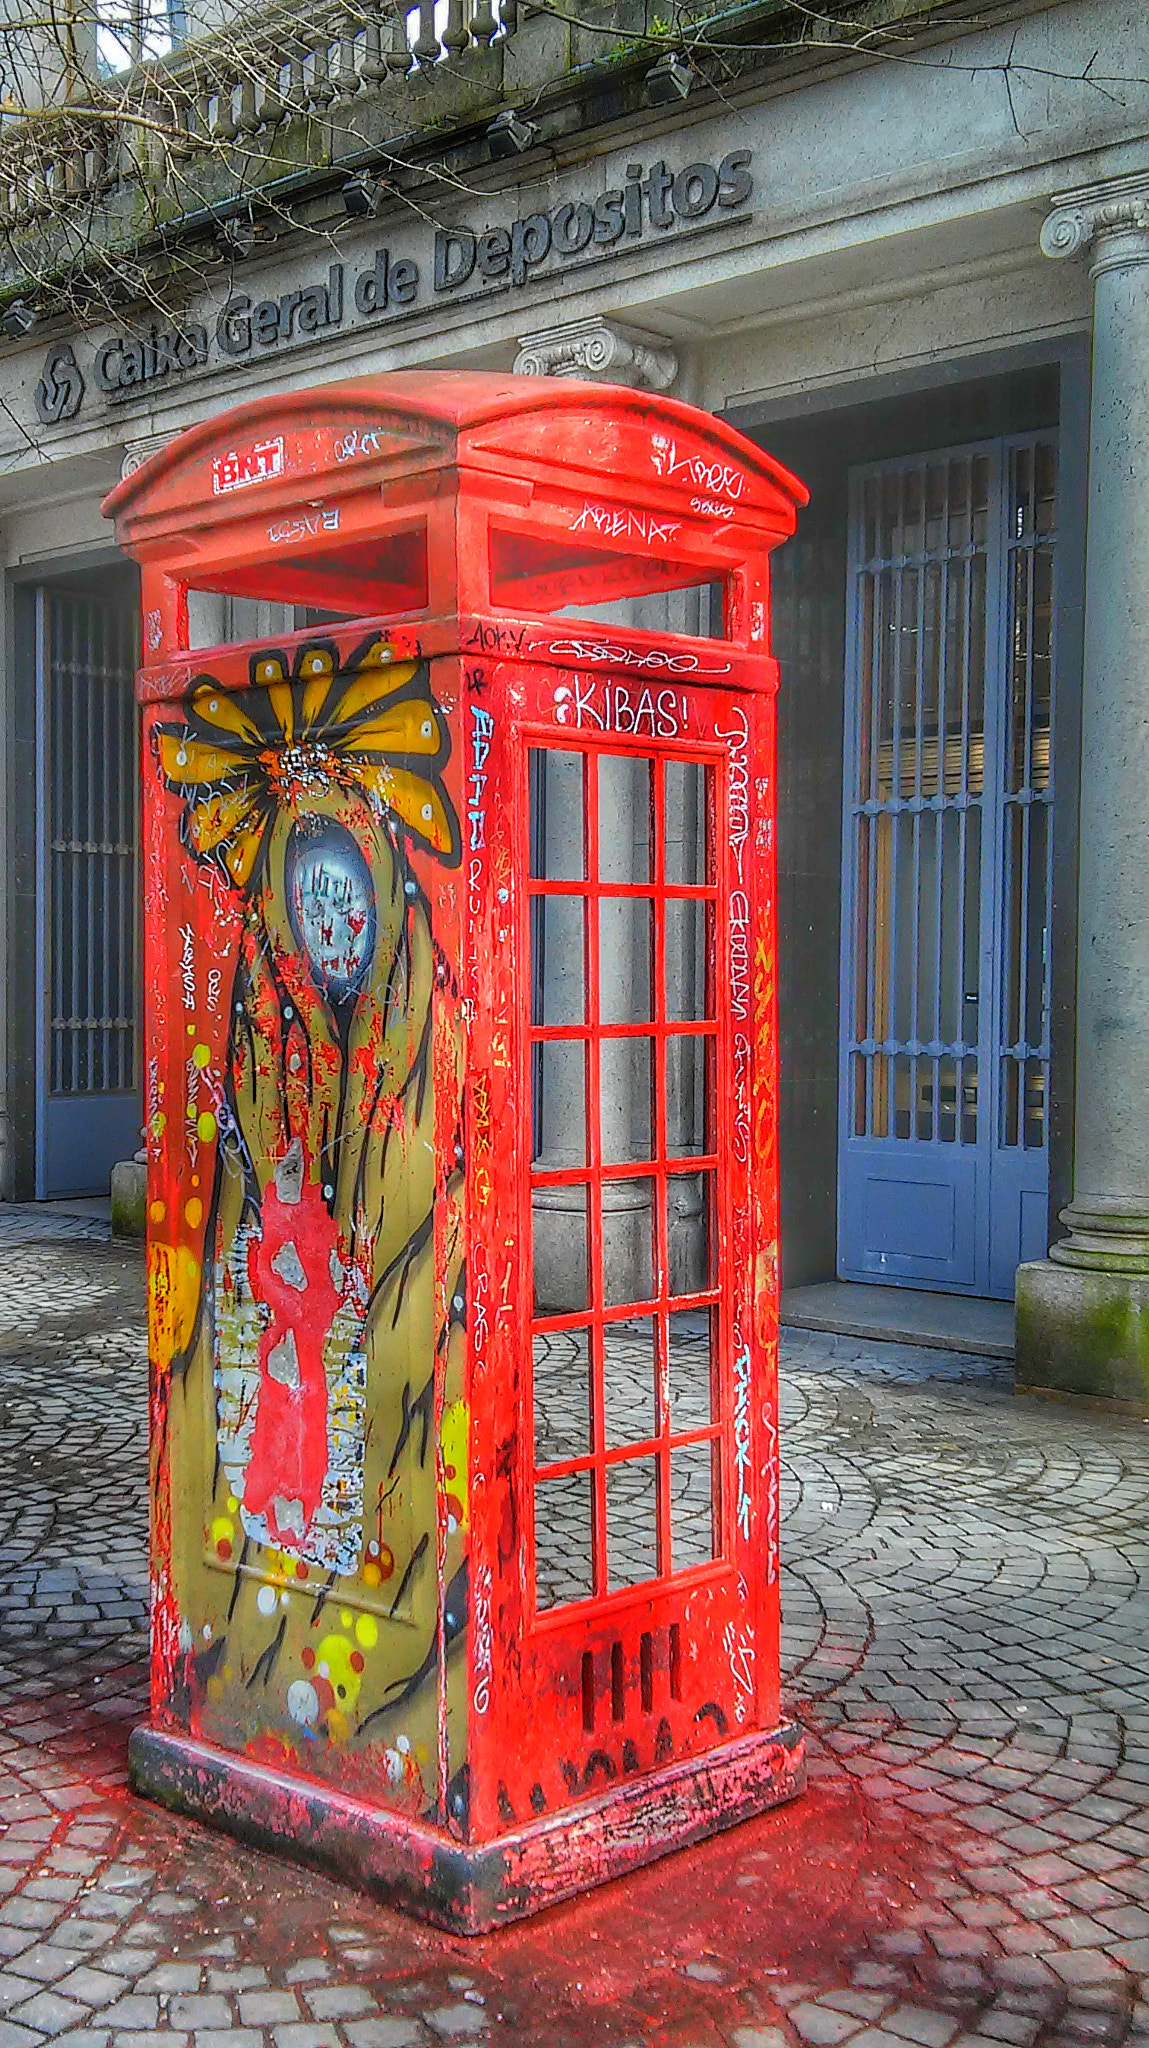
{"x": 943, "y": 1163}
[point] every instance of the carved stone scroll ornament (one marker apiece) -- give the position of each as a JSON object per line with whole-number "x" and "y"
{"x": 597, "y": 348}
{"x": 136, "y": 453}
{"x": 1109, "y": 219}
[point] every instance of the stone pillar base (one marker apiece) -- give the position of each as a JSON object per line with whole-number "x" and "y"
{"x": 129, "y": 1198}
{"x": 1082, "y": 1330}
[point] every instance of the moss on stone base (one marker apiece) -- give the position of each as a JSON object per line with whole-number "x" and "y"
{"x": 129, "y": 1198}
{"x": 1083, "y": 1332}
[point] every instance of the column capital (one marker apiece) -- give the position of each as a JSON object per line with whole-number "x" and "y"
{"x": 597, "y": 347}
{"x": 1109, "y": 219}
{"x": 136, "y": 453}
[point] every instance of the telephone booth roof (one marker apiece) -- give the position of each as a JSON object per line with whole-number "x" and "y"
{"x": 347, "y": 497}
{"x": 417, "y": 424}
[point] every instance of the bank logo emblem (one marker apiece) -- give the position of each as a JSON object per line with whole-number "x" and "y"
{"x": 60, "y": 392}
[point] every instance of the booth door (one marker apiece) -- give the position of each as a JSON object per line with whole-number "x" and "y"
{"x": 631, "y": 1326}
{"x": 943, "y": 1167}
{"x": 87, "y": 731}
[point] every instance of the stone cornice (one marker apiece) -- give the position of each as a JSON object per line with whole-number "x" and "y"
{"x": 1109, "y": 219}
{"x": 597, "y": 348}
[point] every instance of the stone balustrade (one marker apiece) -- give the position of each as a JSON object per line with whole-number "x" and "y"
{"x": 235, "y": 93}
{"x": 244, "y": 121}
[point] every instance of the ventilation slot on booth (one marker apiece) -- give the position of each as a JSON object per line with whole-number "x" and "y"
{"x": 588, "y": 1691}
{"x": 615, "y": 1664}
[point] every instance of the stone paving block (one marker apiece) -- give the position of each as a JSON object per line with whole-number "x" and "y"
{"x": 32, "y": 1914}
{"x": 48, "y": 1961}
{"x": 49, "y": 2013}
{"x": 1131, "y": 1955}
{"x": 171, "y": 1977}
{"x": 1083, "y": 1966}
{"x": 15, "y": 1989}
{"x": 916, "y": 2023}
{"x": 137, "y": 2010}
{"x": 196, "y": 2010}
{"x": 144, "y": 2037}
{"x": 457, "y": 2022}
{"x": 339, "y": 2001}
{"x": 822, "y": 2024}
{"x": 1014, "y": 2027}
{"x": 85, "y": 1935}
{"x": 267, "y": 2008}
{"x": 91, "y": 1987}
{"x": 394, "y": 2031}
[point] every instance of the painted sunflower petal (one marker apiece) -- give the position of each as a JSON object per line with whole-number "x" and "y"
{"x": 415, "y": 801}
{"x": 282, "y": 708}
{"x": 217, "y": 707}
{"x": 410, "y": 728}
{"x": 240, "y": 856}
{"x": 370, "y": 686}
{"x": 317, "y": 669}
{"x": 268, "y": 668}
{"x": 185, "y": 760}
{"x": 214, "y": 817}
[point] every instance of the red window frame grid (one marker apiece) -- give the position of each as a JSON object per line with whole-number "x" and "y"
{"x": 714, "y": 1299}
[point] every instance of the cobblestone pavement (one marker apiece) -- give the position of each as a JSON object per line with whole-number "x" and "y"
{"x": 965, "y": 1638}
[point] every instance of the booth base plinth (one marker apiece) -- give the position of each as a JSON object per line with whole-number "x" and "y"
{"x": 471, "y": 1888}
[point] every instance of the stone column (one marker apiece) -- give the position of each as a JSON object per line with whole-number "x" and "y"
{"x": 1083, "y": 1314}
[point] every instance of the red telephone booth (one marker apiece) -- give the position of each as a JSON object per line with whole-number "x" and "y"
{"x": 461, "y": 1132}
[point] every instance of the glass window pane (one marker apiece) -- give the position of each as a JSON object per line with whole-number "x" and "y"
{"x": 631, "y": 1522}
{"x": 563, "y": 1547}
{"x": 558, "y": 1084}
{"x": 686, "y": 823}
{"x": 688, "y": 1096}
{"x": 626, "y": 1080}
{"x": 558, "y": 960}
{"x": 625, "y": 929}
{"x": 559, "y": 1235}
{"x": 688, "y": 981}
{"x": 629, "y": 1367}
{"x": 623, "y": 818}
{"x": 690, "y": 1231}
{"x": 562, "y": 1396}
{"x": 691, "y": 1370}
{"x": 627, "y": 1241}
{"x": 693, "y": 1504}
{"x": 557, "y": 829}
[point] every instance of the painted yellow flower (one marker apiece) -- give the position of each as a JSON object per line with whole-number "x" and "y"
{"x": 369, "y": 724}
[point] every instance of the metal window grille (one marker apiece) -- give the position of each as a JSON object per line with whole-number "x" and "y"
{"x": 950, "y": 855}
{"x": 91, "y": 773}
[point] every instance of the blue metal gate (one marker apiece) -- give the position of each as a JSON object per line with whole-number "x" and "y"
{"x": 943, "y": 1164}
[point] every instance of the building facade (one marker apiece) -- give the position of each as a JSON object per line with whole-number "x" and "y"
{"x": 913, "y": 262}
